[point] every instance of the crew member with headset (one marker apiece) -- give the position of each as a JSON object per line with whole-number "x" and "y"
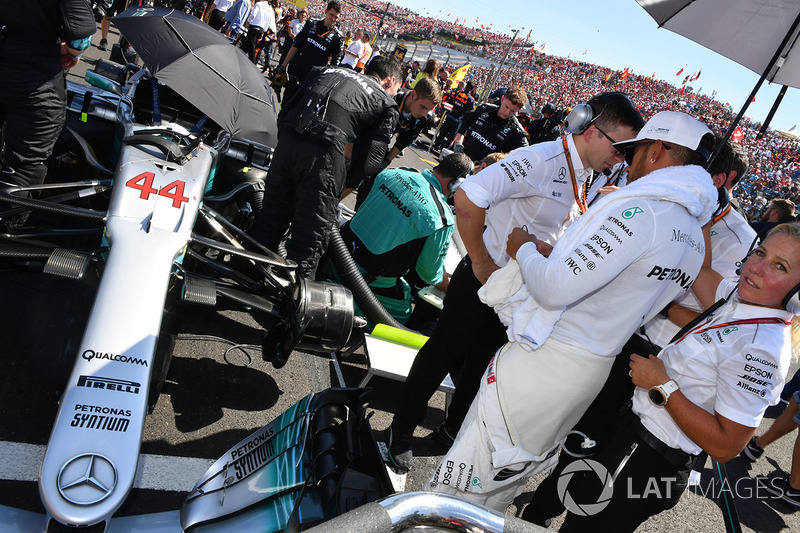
{"x": 39, "y": 41}
{"x": 731, "y": 239}
{"x": 405, "y": 224}
{"x": 540, "y": 187}
{"x": 493, "y": 128}
{"x": 706, "y": 391}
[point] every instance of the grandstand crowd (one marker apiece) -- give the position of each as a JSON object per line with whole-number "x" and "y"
{"x": 775, "y": 159}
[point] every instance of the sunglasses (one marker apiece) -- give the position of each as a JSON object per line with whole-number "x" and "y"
{"x": 630, "y": 150}
{"x": 610, "y": 139}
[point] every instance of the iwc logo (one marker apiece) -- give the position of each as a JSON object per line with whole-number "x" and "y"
{"x": 87, "y": 479}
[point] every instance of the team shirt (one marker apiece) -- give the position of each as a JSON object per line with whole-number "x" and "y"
{"x": 724, "y": 366}
{"x": 634, "y": 258}
{"x": 731, "y": 238}
{"x": 531, "y": 187}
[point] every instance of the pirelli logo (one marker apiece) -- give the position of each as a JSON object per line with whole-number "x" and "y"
{"x": 117, "y": 385}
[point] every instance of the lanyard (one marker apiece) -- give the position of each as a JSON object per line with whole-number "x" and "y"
{"x": 721, "y": 215}
{"x": 580, "y": 201}
{"x": 766, "y": 320}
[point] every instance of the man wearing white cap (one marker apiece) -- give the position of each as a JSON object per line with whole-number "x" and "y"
{"x": 613, "y": 269}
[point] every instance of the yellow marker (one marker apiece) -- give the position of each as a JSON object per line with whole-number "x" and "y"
{"x": 84, "y": 117}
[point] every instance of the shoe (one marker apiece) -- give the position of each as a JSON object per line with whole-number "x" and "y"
{"x": 752, "y": 451}
{"x": 400, "y": 454}
{"x": 103, "y": 45}
{"x": 444, "y": 434}
{"x": 780, "y": 487}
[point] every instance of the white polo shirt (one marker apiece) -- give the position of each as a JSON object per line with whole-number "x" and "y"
{"x": 263, "y": 15}
{"x": 223, "y": 5}
{"x": 356, "y": 47}
{"x": 530, "y": 187}
{"x": 736, "y": 370}
{"x": 731, "y": 238}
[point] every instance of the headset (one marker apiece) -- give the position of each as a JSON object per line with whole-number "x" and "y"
{"x": 790, "y": 302}
{"x": 456, "y": 183}
{"x": 583, "y": 115}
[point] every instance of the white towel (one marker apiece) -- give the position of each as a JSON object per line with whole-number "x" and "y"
{"x": 531, "y": 324}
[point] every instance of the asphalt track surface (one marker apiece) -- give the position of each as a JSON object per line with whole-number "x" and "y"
{"x": 211, "y": 401}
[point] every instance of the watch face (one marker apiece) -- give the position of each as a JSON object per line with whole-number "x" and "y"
{"x": 656, "y": 396}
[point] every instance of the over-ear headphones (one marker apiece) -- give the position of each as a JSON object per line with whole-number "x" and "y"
{"x": 583, "y": 115}
{"x": 455, "y": 184}
{"x": 790, "y": 302}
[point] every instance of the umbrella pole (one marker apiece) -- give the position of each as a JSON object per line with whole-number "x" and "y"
{"x": 763, "y": 77}
{"x": 772, "y": 111}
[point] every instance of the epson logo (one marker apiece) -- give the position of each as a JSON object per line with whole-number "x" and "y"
{"x": 119, "y": 385}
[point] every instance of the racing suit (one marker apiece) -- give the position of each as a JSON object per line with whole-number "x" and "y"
{"x": 404, "y": 223}
{"x": 612, "y": 270}
{"x": 33, "y": 91}
{"x": 485, "y": 132}
{"x": 530, "y": 187}
{"x": 731, "y": 238}
{"x": 307, "y": 172}
{"x": 462, "y": 103}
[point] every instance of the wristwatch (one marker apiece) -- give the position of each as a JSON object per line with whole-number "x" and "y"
{"x": 660, "y": 394}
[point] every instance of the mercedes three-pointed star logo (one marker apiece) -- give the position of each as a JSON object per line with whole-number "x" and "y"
{"x": 87, "y": 479}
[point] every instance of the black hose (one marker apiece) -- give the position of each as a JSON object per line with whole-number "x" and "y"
{"x": 352, "y": 279}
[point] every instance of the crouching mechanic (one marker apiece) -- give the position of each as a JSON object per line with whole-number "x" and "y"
{"x": 404, "y": 224}
{"x": 613, "y": 269}
{"x": 307, "y": 173}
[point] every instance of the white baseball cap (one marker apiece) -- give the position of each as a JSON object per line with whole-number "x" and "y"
{"x": 672, "y": 127}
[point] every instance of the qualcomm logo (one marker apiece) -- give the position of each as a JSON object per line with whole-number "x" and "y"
{"x": 87, "y": 479}
{"x": 578, "y": 467}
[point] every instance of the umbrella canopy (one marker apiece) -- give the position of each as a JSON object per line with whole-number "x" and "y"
{"x": 749, "y": 32}
{"x": 203, "y": 67}
{"x": 758, "y": 34}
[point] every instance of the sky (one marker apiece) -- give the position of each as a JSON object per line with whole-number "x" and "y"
{"x": 619, "y": 34}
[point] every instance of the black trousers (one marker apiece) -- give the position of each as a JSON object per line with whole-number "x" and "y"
{"x": 646, "y": 485}
{"x": 599, "y": 423}
{"x": 216, "y": 19}
{"x": 446, "y": 132}
{"x": 33, "y": 97}
{"x": 466, "y": 337}
{"x": 302, "y": 188}
{"x": 254, "y": 34}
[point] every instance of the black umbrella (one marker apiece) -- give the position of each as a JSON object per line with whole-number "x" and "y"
{"x": 202, "y": 66}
